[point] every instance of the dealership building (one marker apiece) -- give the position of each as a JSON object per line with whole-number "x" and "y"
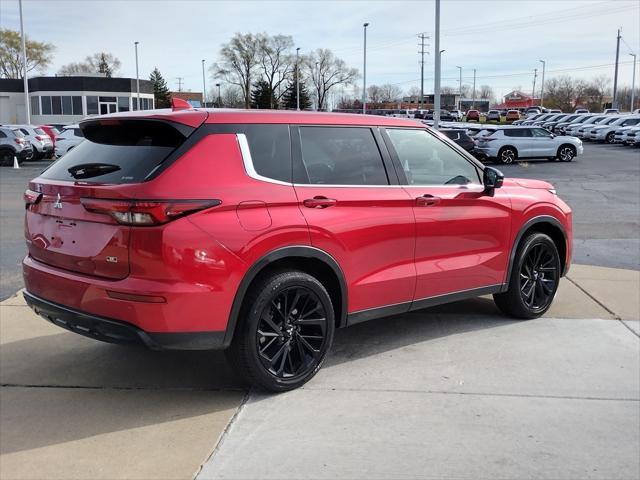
{"x": 65, "y": 100}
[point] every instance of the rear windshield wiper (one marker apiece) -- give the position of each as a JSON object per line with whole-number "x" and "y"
{"x": 88, "y": 170}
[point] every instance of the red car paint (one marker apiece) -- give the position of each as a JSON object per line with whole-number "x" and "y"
{"x": 393, "y": 245}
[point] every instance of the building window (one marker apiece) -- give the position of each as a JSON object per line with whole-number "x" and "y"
{"x": 134, "y": 103}
{"x": 108, "y": 99}
{"x": 77, "y": 105}
{"x": 35, "y": 105}
{"x": 92, "y": 105}
{"x": 123, "y": 104}
{"x": 66, "y": 105}
{"x": 46, "y": 105}
{"x": 56, "y": 105}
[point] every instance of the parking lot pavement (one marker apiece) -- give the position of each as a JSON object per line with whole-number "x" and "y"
{"x": 455, "y": 390}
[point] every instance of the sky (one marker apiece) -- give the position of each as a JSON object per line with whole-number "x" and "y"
{"x": 502, "y": 39}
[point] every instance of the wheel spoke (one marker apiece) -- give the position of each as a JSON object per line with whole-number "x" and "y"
{"x": 270, "y": 323}
{"x": 262, "y": 350}
{"x": 292, "y": 307}
{"x": 310, "y": 321}
{"x": 309, "y": 347}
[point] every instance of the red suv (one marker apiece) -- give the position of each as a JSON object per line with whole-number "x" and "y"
{"x": 262, "y": 232}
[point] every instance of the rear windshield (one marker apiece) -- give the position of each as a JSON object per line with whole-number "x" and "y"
{"x": 39, "y": 131}
{"x": 19, "y": 133}
{"x": 117, "y": 151}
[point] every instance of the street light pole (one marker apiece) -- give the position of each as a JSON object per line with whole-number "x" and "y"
{"x": 318, "y": 99}
{"x": 297, "y": 79}
{"x": 24, "y": 74}
{"x": 460, "y": 91}
{"x": 544, "y": 64}
{"x": 219, "y": 96}
{"x": 137, "y": 78}
{"x": 614, "y": 102}
{"x": 364, "y": 71}
{"x": 633, "y": 82}
{"x": 535, "y": 76}
{"x": 204, "y": 87}
{"x": 473, "y": 105}
{"x": 436, "y": 100}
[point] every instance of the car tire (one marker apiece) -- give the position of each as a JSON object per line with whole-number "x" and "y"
{"x": 507, "y": 155}
{"x": 534, "y": 279}
{"x": 610, "y": 138}
{"x": 6, "y": 157}
{"x": 566, "y": 153}
{"x": 284, "y": 332}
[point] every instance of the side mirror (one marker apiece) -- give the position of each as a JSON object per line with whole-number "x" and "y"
{"x": 492, "y": 178}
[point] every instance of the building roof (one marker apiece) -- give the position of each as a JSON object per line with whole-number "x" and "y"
{"x": 76, "y": 84}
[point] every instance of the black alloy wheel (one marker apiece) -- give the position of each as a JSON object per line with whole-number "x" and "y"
{"x": 534, "y": 278}
{"x": 284, "y": 332}
{"x": 538, "y": 277}
{"x": 291, "y": 332}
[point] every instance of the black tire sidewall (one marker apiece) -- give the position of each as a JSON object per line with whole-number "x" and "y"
{"x": 266, "y": 290}
{"x": 526, "y": 246}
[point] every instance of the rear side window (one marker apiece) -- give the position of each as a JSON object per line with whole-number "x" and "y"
{"x": 270, "y": 148}
{"x": 340, "y": 156}
{"x": 117, "y": 152}
{"x": 517, "y": 132}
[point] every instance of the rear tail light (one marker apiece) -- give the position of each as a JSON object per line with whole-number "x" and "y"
{"x": 31, "y": 197}
{"x": 40, "y": 138}
{"x": 146, "y": 212}
{"x": 19, "y": 140}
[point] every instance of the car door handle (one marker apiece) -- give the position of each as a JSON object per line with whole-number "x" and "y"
{"x": 319, "y": 202}
{"x": 427, "y": 201}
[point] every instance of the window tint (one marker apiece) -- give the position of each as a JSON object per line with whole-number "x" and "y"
{"x": 540, "y": 132}
{"x": 341, "y": 156}
{"x": 517, "y": 132}
{"x": 123, "y": 152}
{"x": 46, "y": 105}
{"x": 270, "y": 150}
{"x": 427, "y": 160}
{"x": 77, "y": 105}
{"x": 92, "y": 105}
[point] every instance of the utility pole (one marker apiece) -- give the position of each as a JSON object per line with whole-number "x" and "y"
{"x": 364, "y": 70}
{"x": 614, "y": 103}
{"x": 460, "y": 91}
{"x": 544, "y": 64}
{"x": 180, "y": 79}
{"x": 204, "y": 87}
{"x": 473, "y": 105}
{"x": 633, "y": 82}
{"x": 24, "y": 73}
{"x": 297, "y": 80}
{"x": 436, "y": 99}
{"x": 137, "y": 79}
{"x": 421, "y": 52}
{"x": 535, "y": 75}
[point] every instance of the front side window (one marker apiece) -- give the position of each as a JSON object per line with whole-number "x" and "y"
{"x": 340, "y": 156}
{"x": 540, "y": 132}
{"x": 427, "y": 160}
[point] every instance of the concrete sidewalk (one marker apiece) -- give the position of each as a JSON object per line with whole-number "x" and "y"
{"x": 456, "y": 390}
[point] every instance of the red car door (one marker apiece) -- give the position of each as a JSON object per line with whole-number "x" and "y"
{"x": 349, "y": 195}
{"x": 462, "y": 232}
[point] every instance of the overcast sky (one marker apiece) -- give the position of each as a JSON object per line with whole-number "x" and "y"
{"x": 502, "y": 39}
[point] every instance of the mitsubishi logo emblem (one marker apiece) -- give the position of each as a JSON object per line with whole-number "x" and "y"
{"x": 57, "y": 203}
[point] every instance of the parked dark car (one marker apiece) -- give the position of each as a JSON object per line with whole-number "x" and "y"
{"x": 460, "y": 137}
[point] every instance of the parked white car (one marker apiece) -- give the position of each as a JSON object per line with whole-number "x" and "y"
{"x": 611, "y": 111}
{"x": 607, "y": 133}
{"x": 585, "y": 132}
{"x": 510, "y": 144}
{"x": 573, "y": 128}
{"x": 41, "y": 142}
{"x": 70, "y": 137}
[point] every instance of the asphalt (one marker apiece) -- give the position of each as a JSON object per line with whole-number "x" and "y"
{"x": 602, "y": 187}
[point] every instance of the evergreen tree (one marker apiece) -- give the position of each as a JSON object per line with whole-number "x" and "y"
{"x": 261, "y": 95}
{"x": 289, "y": 97}
{"x": 160, "y": 89}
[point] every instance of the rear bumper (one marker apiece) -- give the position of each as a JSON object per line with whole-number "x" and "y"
{"x": 116, "y": 331}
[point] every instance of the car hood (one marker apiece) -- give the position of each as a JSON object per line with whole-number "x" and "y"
{"x": 528, "y": 183}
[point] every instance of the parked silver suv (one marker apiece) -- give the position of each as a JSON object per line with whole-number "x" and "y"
{"x": 13, "y": 144}
{"x": 607, "y": 133}
{"x": 40, "y": 140}
{"x": 510, "y": 144}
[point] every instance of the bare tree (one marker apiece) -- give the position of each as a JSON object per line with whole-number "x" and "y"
{"x": 238, "y": 60}
{"x": 414, "y": 91}
{"x": 374, "y": 94}
{"x": 390, "y": 93}
{"x": 485, "y": 92}
{"x": 325, "y": 72}
{"x": 11, "y": 64}
{"x": 75, "y": 68}
{"x": 100, "y": 62}
{"x": 276, "y": 62}
{"x": 447, "y": 90}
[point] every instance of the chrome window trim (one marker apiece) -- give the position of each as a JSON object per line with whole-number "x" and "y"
{"x": 247, "y": 160}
